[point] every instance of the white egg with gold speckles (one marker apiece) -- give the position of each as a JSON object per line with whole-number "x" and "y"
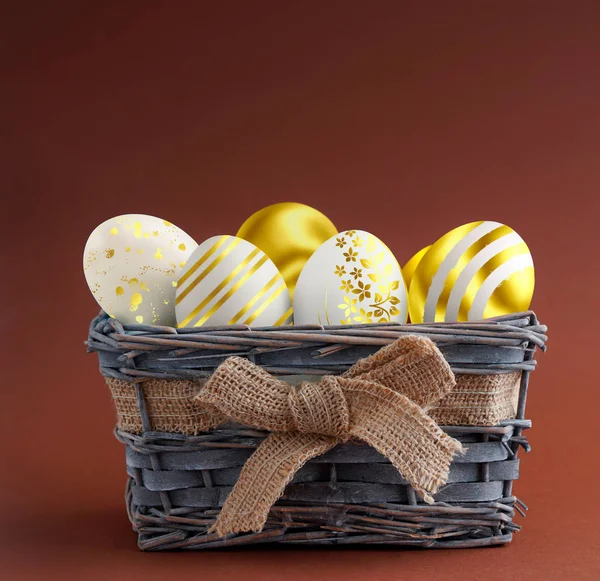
{"x": 353, "y": 278}
{"x": 230, "y": 281}
{"x": 132, "y": 263}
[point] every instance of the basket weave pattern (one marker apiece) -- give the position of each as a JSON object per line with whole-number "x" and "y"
{"x": 180, "y": 474}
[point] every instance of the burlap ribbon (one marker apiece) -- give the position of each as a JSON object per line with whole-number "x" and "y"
{"x": 382, "y": 400}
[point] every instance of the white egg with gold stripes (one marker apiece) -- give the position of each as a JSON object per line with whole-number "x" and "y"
{"x": 229, "y": 281}
{"x": 476, "y": 271}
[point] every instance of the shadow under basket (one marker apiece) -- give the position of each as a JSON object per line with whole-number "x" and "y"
{"x": 180, "y": 475}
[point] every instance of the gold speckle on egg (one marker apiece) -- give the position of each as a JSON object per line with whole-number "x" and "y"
{"x": 144, "y": 286}
{"x": 166, "y": 302}
{"x": 140, "y": 251}
{"x": 114, "y": 231}
{"x": 158, "y": 255}
{"x": 182, "y": 247}
{"x": 182, "y": 264}
{"x": 167, "y": 223}
{"x": 139, "y": 319}
{"x": 135, "y": 302}
{"x": 110, "y": 252}
{"x": 155, "y": 233}
{"x": 146, "y": 234}
{"x": 174, "y": 283}
{"x": 89, "y": 259}
{"x": 127, "y": 248}
{"x": 132, "y": 282}
{"x": 137, "y": 229}
{"x": 119, "y": 290}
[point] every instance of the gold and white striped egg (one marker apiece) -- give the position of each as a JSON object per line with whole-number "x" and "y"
{"x": 352, "y": 278}
{"x": 476, "y": 271}
{"x": 230, "y": 281}
{"x": 131, "y": 264}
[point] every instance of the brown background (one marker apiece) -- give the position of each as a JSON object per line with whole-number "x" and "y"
{"x": 403, "y": 118}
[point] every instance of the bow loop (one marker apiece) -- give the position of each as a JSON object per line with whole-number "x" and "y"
{"x": 249, "y": 395}
{"x": 412, "y": 366}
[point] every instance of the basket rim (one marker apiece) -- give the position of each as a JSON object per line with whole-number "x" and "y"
{"x": 518, "y": 327}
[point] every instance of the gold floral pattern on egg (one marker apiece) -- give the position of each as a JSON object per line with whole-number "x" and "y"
{"x": 352, "y": 278}
{"x": 374, "y": 268}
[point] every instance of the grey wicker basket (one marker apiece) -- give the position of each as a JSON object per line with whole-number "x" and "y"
{"x": 352, "y": 494}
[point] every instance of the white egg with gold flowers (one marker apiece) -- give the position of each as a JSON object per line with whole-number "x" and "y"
{"x": 353, "y": 278}
{"x": 131, "y": 264}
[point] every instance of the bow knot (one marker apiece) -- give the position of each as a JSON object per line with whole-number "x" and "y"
{"x": 320, "y": 408}
{"x": 381, "y": 400}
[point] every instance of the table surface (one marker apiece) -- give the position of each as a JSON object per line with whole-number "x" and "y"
{"x": 404, "y": 119}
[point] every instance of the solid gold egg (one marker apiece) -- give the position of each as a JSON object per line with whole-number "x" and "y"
{"x": 288, "y": 233}
{"x": 476, "y": 271}
{"x": 408, "y": 270}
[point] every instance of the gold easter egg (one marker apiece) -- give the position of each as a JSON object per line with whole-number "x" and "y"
{"x": 288, "y": 233}
{"x": 476, "y": 271}
{"x": 408, "y": 270}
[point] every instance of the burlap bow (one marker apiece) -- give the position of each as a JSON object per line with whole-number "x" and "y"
{"x": 382, "y": 400}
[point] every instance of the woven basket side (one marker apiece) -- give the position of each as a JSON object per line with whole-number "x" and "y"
{"x": 348, "y": 495}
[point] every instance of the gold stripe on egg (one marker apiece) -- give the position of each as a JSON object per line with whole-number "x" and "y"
{"x": 283, "y": 317}
{"x": 206, "y": 271}
{"x": 229, "y": 293}
{"x": 202, "y": 259}
{"x": 482, "y": 274}
{"x": 256, "y": 297}
{"x": 239, "y": 268}
{"x": 262, "y": 307}
{"x": 427, "y": 267}
{"x": 516, "y": 290}
{"x": 460, "y": 265}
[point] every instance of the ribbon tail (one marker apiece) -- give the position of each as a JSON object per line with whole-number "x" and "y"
{"x": 401, "y": 431}
{"x": 264, "y": 478}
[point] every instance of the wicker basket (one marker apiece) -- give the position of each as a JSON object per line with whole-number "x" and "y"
{"x": 179, "y": 476}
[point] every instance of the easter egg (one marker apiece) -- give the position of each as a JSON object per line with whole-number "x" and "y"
{"x": 353, "y": 278}
{"x": 131, "y": 264}
{"x": 230, "y": 281}
{"x": 409, "y": 268}
{"x": 476, "y": 271}
{"x": 288, "y": 233}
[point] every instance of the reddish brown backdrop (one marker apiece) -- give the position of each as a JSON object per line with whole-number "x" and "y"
{"x": 403, "y": 118}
